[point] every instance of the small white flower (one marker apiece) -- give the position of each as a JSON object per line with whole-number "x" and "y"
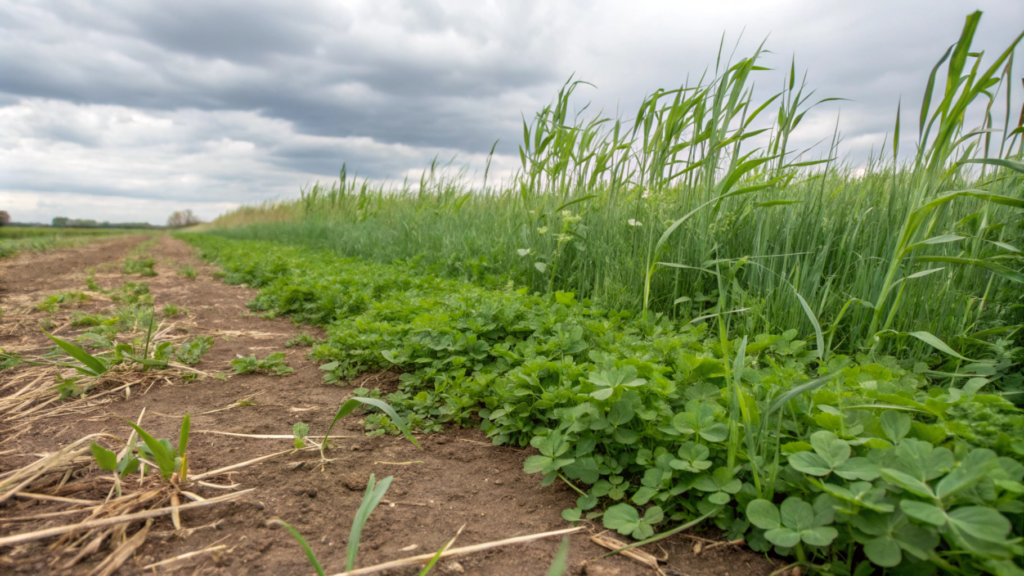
{"x": 633, "y": 222}
{"x": 524, "y": 251}
{"x": 566, "y": 213}
{"x": 543, "y": 230}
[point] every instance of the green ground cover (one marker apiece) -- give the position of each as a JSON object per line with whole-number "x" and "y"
{"x": 687, "y": 318}
{"x": 14, "y": 239}
{"x": 657, "y": 422}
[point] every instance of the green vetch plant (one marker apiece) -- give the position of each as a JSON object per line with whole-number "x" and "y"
{"x": 272, "y": 364}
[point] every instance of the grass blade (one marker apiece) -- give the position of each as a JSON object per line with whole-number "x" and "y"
{"x": 371, "y": 498}
{"x": 163, "y": 458}
{"x": 305, "y": 546}
{"x": 558, "y": 565}
{"x": 663, "y": 535}
{"x": 819, "y": 338}
{"x": 353, "y": 403}
{"x": 106, "y": 459}
{"x": 937, "y": 343}
{"x": 186, "y": 425}
{"x": 430, "y": 565}
{"x": 798, "y": 390}
{"x": 96, "y": 366}
{"x": 1008, "y": 273}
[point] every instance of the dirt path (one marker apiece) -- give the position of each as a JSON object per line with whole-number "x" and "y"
{"x": 458, "y": 478}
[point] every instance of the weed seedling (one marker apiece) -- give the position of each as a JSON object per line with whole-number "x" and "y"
{"x": 107, "y": 460}
{"x": 140, "y": 266}
{"x": 300, "y": 430}
{"x": 131, "y": 293}
{"x": 193, "y": 350}
{"x": 55, "y": 301}
{"x": 83, "y": 319}
{"x": 172, "y": 310}
{"x": 188, "y": 272}
{"x": 273, "y": 364}
{"x": 371, "y": 498}
{"x": 310, "y": 555}
{"x": 162, "y": 455}
{"x": 304, "y": 340}
{"x": 90, "y": 365}
{"x": 353, "y": 403}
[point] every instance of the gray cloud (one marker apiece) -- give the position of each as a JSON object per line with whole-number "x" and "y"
{"x": 239, "y": 101}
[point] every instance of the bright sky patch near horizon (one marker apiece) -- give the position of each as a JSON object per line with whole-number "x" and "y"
{"x": 121, "y": 110}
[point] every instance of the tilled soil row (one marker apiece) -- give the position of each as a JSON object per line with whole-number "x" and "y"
{"x": 457, "y": 479}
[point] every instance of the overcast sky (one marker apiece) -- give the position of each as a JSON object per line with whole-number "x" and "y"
{"x": 125, "y": 110}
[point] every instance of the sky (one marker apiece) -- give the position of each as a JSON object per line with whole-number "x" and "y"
{"x": 126, "y": 110}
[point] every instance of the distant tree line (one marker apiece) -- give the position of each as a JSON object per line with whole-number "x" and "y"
{"x": 64, "y": 222}
{"x": 182, "y": 218}
{"x": 178, "y": 219}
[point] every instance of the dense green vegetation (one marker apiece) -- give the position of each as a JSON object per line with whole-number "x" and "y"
{"x": 14, "y": 239}
{"x": 686, "y": 318}
{"x": 671, "y": 211}
{"x": 677, "y": 418}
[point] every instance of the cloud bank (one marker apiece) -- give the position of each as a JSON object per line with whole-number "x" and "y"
{"x": 127, "y": 110}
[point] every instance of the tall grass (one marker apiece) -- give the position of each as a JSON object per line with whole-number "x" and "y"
{"x": 699, "y": 207}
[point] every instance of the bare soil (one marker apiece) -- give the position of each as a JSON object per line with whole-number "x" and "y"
{"x": 457, "y": 479}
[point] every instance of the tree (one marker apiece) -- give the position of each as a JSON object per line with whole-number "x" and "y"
{"x": 182, "y": 218}
{"x": 60, "y": 222}
{"x": 4, "y": 217}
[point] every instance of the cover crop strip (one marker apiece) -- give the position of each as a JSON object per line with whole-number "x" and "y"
{"x": 645, "y": 212}
{"x": 852, "y": 462}
{"x": 15, "y": 239}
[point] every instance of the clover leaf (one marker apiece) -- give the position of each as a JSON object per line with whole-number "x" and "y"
{"x": 796, "y": 521}
{"x": 921, "y": 460}
{"x": 895, "y": 424}
{"x": 625, "y": 519}
{"x": 886, "y": 536}
{"x": 721, "y": 483}
{"x": 693, "y": 457}
{"x": 608, "y": 381}
{"x": 699, "y": 418}
{"x": 832, "y": 454}
{"x": 862, "y": 494}
{"x": 552, "y": 448}
{"x": 584, "y": 468}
